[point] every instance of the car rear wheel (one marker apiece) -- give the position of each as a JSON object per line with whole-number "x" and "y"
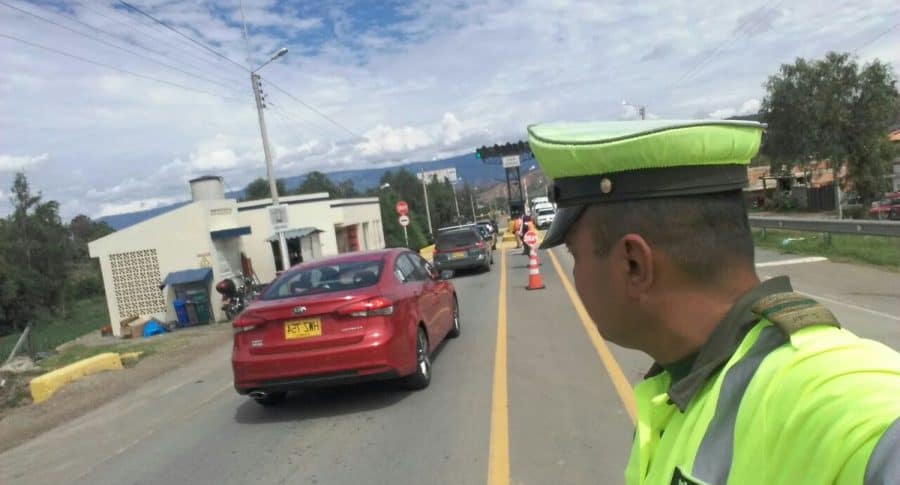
{"x": 454, "y": 331}
{"x": 422, "y": 376}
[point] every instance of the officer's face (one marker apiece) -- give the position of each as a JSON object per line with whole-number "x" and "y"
{"x": 597, "y": 283}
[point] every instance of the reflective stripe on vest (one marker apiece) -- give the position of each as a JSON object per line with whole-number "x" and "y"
{"x": 713, "y": 460}
{"x": 884, "y": 465}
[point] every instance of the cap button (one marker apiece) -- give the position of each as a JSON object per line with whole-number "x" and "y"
{"x": 605, "y": 185}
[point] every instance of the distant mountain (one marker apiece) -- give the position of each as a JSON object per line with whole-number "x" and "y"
{"x": 468, "y": 168}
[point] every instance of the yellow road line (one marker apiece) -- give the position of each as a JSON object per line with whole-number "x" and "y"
{"x": 498, "y": 457}
{"x": 612, "y": 367}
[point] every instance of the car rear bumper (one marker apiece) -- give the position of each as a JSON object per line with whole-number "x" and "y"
{"x": 457, "y": 264}
{"x": 368, "y": 360}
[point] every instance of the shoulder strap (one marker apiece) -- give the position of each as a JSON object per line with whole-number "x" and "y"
{"x": 792, "y": 311}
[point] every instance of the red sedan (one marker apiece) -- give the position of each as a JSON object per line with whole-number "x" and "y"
{"x": 349, "y": 318}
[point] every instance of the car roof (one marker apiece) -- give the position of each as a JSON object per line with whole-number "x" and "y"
{"x": 371, "y": 255}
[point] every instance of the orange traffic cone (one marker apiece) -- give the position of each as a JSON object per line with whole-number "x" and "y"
{"x": 534, "y": 273}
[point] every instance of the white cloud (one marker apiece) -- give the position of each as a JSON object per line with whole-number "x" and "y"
{"x": 11, "y": 163}
{"x": 110, "y": 208}
{"x": 751, "y": 106}
{"x": 452, "y": 129}
{"x": 385, "y": 140}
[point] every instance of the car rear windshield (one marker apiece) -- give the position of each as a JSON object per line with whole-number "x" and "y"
{"x": 456, "y": 239}
{"x": 544, "y": 212}
{"x": 325, "y": 278}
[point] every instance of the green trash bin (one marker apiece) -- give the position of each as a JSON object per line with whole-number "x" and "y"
{"x": 200, "y": 302}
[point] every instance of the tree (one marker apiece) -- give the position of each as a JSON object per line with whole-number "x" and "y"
{"x": 316, "y": 182}
{"x": 346, "y": 189}
{"x": 36, "y": 257}
{"x": 259, "y": 189}
{"x": 833, "y": 109}
{"x": 82, "y": 230}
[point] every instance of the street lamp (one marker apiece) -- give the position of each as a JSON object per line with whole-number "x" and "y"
{"x": 642, "y": 110}
{"x": 276, "y": 212}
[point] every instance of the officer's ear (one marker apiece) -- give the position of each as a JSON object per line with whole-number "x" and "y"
{"x": 637, "y": 256}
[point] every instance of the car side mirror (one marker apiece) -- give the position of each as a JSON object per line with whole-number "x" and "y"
{"x": 431, "y": 271}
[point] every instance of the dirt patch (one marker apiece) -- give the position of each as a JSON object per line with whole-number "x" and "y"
{"x": 20, "y": 424}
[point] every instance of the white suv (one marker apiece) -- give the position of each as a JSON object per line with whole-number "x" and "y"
{"x": 544, "y": 215}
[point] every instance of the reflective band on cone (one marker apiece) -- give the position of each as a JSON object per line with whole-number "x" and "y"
{"x": 534, "y": 273}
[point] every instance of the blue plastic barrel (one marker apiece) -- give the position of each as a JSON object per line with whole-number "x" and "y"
{"x": 181, "y": 312}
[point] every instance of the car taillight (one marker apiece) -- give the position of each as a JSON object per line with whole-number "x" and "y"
{"x": 246, "y": 322}
{"x": 377, "y": 306}
{"x": 479, "y": 244}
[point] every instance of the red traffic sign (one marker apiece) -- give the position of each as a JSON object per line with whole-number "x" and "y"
{"x": 530, "y": 239}
{"x": 403, "y": 220}
{"x": 402, "y": 208}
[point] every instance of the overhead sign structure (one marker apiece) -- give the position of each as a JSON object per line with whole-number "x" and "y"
{"x": 511, "y": 161}
{"x": 278, "y": 217}
{"x": 530, "y": 239}
{"x": 402, "y": 208}
{"x": 440, "y": 174}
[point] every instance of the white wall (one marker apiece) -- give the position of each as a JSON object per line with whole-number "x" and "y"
{"x": 182, "y": 241}
{"x": 176, "y": 239}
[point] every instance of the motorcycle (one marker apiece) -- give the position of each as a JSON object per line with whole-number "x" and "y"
{"x": 236, "y": 298}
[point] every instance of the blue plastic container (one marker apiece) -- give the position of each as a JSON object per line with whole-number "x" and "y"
{"x": 181, "y": 312}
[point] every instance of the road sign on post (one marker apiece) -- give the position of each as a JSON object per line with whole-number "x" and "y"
{"x": 530, "y": 239}
{"x": 402, "y": 208}
{"x": 404, "y": 221}
{"x": 511, "y": 161}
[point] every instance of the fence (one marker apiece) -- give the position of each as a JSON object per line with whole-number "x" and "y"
{"x": 828, "y": 226}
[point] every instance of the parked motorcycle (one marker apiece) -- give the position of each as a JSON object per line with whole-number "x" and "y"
{"x": 236, "y": 298}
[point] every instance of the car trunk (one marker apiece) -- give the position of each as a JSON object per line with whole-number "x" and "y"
{"x": 457, "y": 246}
{"x": 308, "y": 323}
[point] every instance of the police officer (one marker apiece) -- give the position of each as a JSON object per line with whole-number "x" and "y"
{"x": 753, "y": 383}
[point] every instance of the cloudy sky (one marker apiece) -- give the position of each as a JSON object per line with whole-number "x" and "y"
{"x": 125, "y": 111}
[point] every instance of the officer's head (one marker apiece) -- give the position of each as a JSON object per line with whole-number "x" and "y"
{"x": 636, "y": 259}
{"x": 653, "y": 214}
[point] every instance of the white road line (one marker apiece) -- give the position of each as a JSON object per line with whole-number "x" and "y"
{"x": 810, "y": 259}
{"x": 850, "y": 305}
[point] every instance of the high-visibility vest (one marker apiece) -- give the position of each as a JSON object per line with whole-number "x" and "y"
{"x": 793, "y": 406}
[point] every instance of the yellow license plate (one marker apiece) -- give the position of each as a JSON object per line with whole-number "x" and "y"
{"x": 458, "y": 255}
{"x": 294, "y": 329}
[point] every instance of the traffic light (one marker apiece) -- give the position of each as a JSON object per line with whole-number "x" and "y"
{"x": 497, "y": 151}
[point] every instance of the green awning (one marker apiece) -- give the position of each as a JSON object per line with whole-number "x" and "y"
{"x": 295, "y": 233}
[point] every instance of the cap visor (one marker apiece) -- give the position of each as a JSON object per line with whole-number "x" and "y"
{"x": 564, "y": 220}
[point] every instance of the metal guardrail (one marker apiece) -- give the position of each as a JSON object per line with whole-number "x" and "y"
{"x": 829, "y": 226}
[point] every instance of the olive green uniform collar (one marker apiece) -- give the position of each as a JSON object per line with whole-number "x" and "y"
{"x": 722, "y": 343}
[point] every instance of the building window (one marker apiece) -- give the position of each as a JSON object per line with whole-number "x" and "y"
{"x": 136, "y": 281}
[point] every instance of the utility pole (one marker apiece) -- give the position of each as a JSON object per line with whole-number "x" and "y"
{"x": 270, "y": 171}
{"x": 837, "y": 190}
{"x": 472, "y": 200}
{"x": 427, "y": 208}
{"x": 455, "y": 201}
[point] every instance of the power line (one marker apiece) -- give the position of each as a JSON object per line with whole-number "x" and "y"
{"x": 173, "y": 29}
{"x": 114, "y": 68}
{"x": 115, "y": 46}
{"x": 316, "y": 111}
{"x": 873, "y": 39}
{"x": 287, "y": 116}
{"x": 152, "y": 31}
{"x": 223, "y": 56}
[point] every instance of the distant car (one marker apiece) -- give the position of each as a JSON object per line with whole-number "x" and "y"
{"x": 545, "y": 216}
{"x": 350, "y": 318}
{"x": 462, "y": 248}
{"x": 536, "y": 201}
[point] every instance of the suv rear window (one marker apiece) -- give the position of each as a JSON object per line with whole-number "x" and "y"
{"x": 325, "y": 278}
{"x": 456, "y": 239}
{"x": 544, "y": 212}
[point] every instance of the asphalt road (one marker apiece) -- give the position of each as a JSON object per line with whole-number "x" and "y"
{"x": 552, "y": 411}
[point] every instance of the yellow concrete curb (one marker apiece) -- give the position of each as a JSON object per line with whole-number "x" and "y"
{"x": 42, "y": 387}
{"x": 130, "y": 357}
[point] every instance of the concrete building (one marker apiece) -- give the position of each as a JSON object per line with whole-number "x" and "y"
{"x": 180, "y": 255}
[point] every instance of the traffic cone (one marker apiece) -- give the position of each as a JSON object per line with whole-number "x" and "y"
{"x": 534, "y": 273}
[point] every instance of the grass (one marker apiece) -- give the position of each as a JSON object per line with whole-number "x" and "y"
{"x": 875, "y": 250}
{"x": 51, "y": 331}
